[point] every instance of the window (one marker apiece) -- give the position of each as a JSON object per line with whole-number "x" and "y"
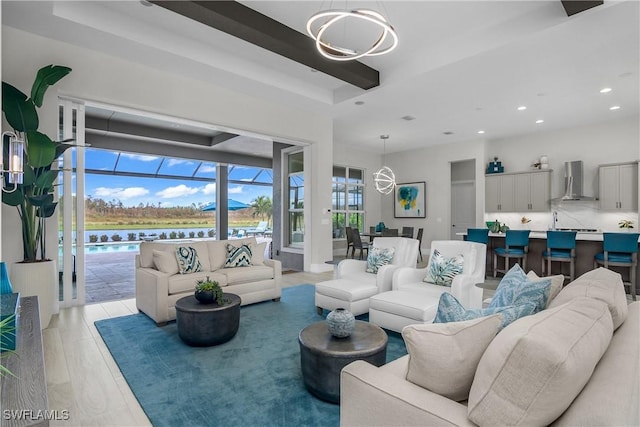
{"x": 348, "y": 200}
{"x": 294, "y": 221}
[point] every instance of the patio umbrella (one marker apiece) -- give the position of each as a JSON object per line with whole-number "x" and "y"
{"x": 233, "y": 205}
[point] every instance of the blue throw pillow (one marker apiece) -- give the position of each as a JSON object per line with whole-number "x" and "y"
{"x": 442, "y": 270}
{"x": 378, "y": 257}
{"x": 450, "y": 310}
{"x": 188, "y": 261}
{"x": 515, "y": 288}
{"x": 238, "y": 257}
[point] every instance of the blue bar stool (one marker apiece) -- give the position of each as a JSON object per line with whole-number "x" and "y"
{"x": 561, "y": 247}
{"x": 621, "y": 250}
{"x": 516, "y": 244}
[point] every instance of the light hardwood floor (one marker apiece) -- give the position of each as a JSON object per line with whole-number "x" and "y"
{"x": 83, "y": 378}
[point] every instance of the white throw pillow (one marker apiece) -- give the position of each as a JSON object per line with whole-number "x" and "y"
{"x": 602, "y": 284}
{"x": 165, "y": 262}
{"x": 443, "y": 356}
{"x": 535, "y": 367}
{"x": 556, "y": 284}
{"x": 257, "y": 253}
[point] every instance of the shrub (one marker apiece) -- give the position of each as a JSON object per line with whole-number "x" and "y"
{"x": 116, "y": 237}
{"x": 200, "y": 233}
{"x": 141, "y": 235}
{"x": 173, "y": 235}
{"x": 131, "y": 236}
{"x": 163, "y": 235}
{"x": 104, "y": 238}
{"x": 181, "y": 235}
{"x": 192, "y": 234}
{"x": 93, "y": 238}
{"x": 211, "y": 232}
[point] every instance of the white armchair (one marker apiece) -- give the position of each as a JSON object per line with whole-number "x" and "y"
{"x": 412, "y": 300}
{"x": 353, "y": 286}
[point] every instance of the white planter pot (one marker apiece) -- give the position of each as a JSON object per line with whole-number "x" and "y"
{"x": 41, "y": 279}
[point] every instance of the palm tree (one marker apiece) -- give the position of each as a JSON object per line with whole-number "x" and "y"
{"x": 262, "y": 207}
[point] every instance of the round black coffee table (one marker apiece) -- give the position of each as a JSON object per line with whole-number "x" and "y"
{"x": 322, "y": 356}
{"x": 207, "y": 324}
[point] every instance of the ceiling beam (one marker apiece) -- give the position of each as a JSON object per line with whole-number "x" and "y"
{"x": 576, "y": 6}
{"x": 247, "y": 24}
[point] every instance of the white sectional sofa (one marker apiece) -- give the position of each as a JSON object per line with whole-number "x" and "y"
{"x": 576, "y": 363}
{"x": 159, "y": 284}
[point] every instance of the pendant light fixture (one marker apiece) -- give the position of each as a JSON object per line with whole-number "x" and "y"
{"x": 384, "y": 179}
{"x": 321, "y": 22}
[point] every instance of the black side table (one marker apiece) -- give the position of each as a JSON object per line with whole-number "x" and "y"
{"x": 207, "y": 324}
{"x": 322, "y": 356}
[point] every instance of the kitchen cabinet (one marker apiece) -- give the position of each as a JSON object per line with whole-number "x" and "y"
{"x": 518, "y": 192}
{"x": 532, "y": 192}
{"x": 619, "y": 187}
{"x": 499, "y": 193}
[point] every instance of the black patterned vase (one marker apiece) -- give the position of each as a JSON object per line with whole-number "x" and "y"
{"x": 341, "y": 323}
{"x": 205, "y": 297}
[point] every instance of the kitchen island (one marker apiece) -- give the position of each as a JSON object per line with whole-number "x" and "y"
{"x": 588, "y": 244}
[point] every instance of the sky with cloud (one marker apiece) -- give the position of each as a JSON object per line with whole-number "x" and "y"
{"x": 132, "y": 191}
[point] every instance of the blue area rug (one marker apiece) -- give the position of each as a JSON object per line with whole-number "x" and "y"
{"x": 252, "y": 380}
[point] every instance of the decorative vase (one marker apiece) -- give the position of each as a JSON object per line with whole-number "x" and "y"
{"x": 341, "y": 323}
{"x": 5, "y": 283}
{"x": 205, "y": 297}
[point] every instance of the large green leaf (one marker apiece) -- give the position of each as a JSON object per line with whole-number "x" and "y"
{"x": 47, "y": 210}
{"x": 41, "y": 150}
{"x": 41, "y": 200}
{"x": 15, "y": 198}
{"x": 29, "y": 177}
{"x": 47, "y": 76}
{"x": 18, "y": 110}
{"x": 46, "y": 179}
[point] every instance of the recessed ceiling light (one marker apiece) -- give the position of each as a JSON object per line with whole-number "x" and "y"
{"x": 313, "y": 70}
{"x": 146, "y": 3}
{"x": 408, "y": 118}
{"x": 480, "y": 131}
{"x": 615, "y": 107}
{"x": 448, "y": 132}
{"x": 541, "y": 94}
{"x": 522, "y": 108}
{"x": 605, "y": 90}
{"x": 359, "y": 102}
{"x": 539, "y": 121}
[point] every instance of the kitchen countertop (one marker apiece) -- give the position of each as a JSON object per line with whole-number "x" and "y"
{"x": 593, "y": 236}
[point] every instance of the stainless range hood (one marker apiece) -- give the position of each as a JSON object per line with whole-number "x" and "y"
{"x": 573, "y": 182}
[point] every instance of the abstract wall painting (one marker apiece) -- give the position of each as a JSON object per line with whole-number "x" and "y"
{"x": 410, "y": 200}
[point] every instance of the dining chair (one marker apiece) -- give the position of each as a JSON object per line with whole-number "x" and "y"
{"x": 358, "y": 243}
{"x": 620, "y": 250}
{"x": 349, "y": 232}
{"x": 419, "y": 239}
{"x": 516, "y": 245}
{"x": 561, "y": 247}
{"x": 407, "y": 232}
{"x": 390, "y": 232}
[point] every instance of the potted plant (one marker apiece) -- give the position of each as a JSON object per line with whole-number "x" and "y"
{"x": 626, "y": 223}
{"x": 34, "y": 197}
{"x": 209, "y": 291}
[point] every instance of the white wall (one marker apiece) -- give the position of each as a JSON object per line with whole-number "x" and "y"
{"x": 110, "y": 80}
{"x": 433, "y": 165}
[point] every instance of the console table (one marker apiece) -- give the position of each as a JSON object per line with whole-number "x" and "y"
{"x": 25, "y": 395}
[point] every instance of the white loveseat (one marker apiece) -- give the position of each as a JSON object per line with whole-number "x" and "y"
{"x": 532, "y": 369}
{"x": 159, "y": 285}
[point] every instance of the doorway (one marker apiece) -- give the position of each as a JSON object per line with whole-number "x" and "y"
{"x": 463, "y": 197}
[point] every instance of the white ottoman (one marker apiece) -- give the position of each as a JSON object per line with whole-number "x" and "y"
{"x": 349, "y": 294}
{"x": 394, "y": 310}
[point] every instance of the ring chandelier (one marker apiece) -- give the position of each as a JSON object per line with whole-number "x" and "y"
{"x": 316, "y": 27}
{"x": 384, "y": 179}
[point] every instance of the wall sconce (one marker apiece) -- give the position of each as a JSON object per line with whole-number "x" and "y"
{"x": 15, "y": 172}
